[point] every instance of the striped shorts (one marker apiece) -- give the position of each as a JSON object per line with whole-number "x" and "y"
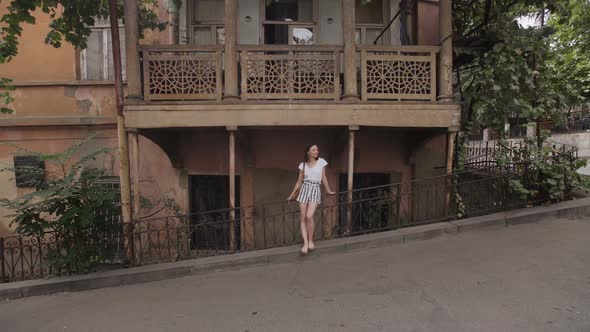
{"x": 310, "y": 192}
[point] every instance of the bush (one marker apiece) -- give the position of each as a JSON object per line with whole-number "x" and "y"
{"x": 71, "y": 206}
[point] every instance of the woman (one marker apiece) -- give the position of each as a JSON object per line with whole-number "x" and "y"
{"x": 312, "y": 173}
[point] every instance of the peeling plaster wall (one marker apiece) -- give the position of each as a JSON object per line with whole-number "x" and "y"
{"x": 63, "y": 100}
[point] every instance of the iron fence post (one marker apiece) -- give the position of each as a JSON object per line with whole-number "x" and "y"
{"x": 22, "y": 260}
{"x": 187, "y": 236}
{"x": 263, "y": 226}
{"x": 398, "y": 204}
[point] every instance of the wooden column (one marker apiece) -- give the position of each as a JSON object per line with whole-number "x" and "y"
{"x": 131, "y": 49}
{"x": 350, "y": 185}
{"x": 245, "y": 155}
{"x": 450, "y": 151}
{"x": 449, "y": 179}
{"x": 232, "y": 187}
{"x": 350, "y": 84}
{"x": 231, "y": 52}
{"x": 135, "y": 165}
{"x": 445, "y": 76}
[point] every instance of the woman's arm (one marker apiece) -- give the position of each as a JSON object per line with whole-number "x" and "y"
{"x": 326, "y": 184}
{"x": 297, "y": 186}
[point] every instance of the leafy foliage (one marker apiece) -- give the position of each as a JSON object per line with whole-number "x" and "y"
{"x": 69, "y": 206}
{"x": 549, "y": 171}
{"x": 572, "y": 42}
{"x": 5, "y": 97}
{"x": 506, "y": 70}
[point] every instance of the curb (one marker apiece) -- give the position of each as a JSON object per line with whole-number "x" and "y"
{"x": 573, "y": 209}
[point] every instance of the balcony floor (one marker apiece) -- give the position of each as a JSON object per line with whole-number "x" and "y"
{"x": 292, "y": 113}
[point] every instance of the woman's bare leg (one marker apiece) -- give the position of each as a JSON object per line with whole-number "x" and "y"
{"x": 303, "y": 212}
{"x": 311, "y": 207}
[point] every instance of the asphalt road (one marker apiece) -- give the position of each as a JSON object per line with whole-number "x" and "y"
{"x": 533, "y": 277}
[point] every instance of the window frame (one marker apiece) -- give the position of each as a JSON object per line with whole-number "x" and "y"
{"x": 106, "y": 34}
{"x": 192, "y": 23}
{"x": 364, "y": 26}
{"x": 291, "y": 24}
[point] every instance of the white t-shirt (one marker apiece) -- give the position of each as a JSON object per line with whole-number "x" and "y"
{"x": 314, "y": 173}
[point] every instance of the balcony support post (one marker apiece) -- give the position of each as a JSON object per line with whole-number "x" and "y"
{"x": 232, "y": 187}
{"x": 350, "y": 186}
{"x": 135, "y": 171}
{"x": 449, "y": 178}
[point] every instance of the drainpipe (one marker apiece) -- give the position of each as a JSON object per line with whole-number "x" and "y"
{"x": 121, "y": 133}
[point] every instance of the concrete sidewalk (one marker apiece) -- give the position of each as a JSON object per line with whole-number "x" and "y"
{"x": 572, "y": 209}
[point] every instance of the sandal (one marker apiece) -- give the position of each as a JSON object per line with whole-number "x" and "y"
{"x": 304, "y": 251}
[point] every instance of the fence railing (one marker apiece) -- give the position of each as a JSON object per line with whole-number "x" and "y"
{"x": 32, "y": 257}
{"x": 276, "y": 224}
{"x": 398, "y": 72}
{"x": 179, "y": 72}
{"x": 290, "y": 72}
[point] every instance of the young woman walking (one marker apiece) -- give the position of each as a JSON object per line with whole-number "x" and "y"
{"x": 307, "y": 192}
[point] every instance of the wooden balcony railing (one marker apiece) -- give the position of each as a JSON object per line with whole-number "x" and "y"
{"x": 398, "y": 72}
{"x": 180, "y": 72}
{"x": 290, "y": 72}
{"x": 273, "y": 72}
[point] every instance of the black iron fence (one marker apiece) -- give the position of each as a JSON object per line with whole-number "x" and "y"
{"x": 36, "y": 257}
{"x": 276, "y": 224}
{"x": 370, "y": 210}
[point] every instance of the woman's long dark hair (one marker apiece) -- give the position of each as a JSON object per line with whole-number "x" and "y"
{"x": 306, "y": 155}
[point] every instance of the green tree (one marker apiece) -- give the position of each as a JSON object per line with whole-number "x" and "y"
{"x": 572, "y": 42}
{"x": 507, "y": 70}
{"x": 70, "y": 21}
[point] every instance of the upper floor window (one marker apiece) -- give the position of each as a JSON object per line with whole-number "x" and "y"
{"x": 206, "y": 22}
{"x": 289, "y": 22}
{"x": 370, "y": 20}
{"x": 289, "y": 10}
{"x": 96, "y": 61}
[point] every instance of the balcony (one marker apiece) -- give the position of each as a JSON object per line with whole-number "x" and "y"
{"x": 272, "y": 72}
{"x": 293, "y": 81}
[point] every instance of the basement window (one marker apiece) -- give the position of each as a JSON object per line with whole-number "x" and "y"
{"x": 29, "y": 171}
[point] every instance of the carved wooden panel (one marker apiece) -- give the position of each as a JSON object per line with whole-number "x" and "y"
{"x": 398, "y": 76}
{"x": 290, "y": 76}
{"x": 182, "y": 75}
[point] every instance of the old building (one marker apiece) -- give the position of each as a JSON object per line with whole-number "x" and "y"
{"x": 220, "y": 107}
